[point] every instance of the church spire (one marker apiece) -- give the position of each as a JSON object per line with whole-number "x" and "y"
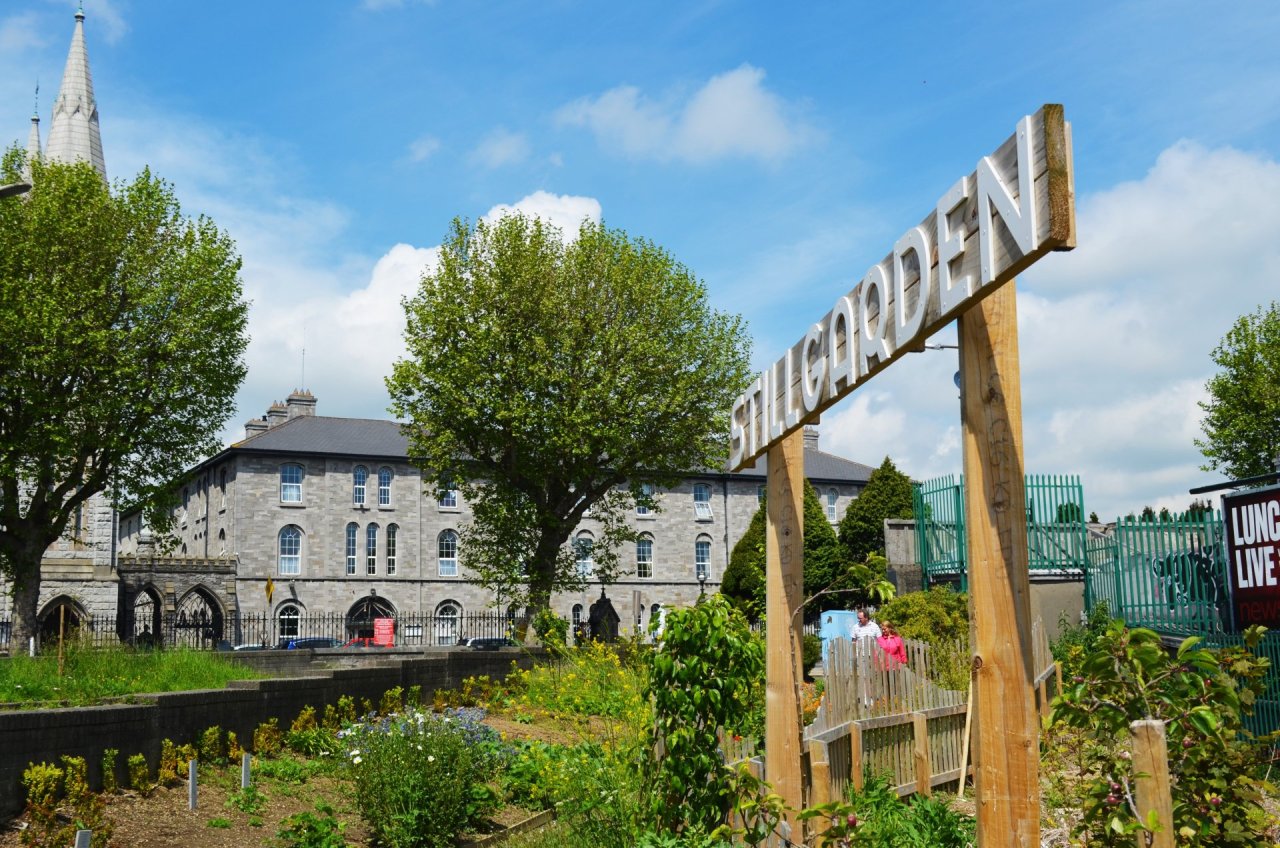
{"x": 33, "y": 140}
{"x": 74, "y": 135}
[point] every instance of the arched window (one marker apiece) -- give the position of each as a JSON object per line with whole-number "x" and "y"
{"x": 702, "y": 558}
{"x": 702, "y": 502}
{"x": 291, "y": 483}
{"x": 290, "y": 560}
{"x": 582, "y": 547}
{"x": 392, "y": 532}
{"x": 447, "y": 554}
{"x": 449, "y": 496}
{"x": 447, "y": 616}
{"x": 384, "y": 486}
{"x": 289, "y": 616}
{"x": 655, "y": 617}
{"x": 358, "y": 478}
{"x": 371, "y": 549}
{"x": 644, "y": 557}
{"x": 647, "y": 491}
{"x": 352, "y": 531}
{"x": 576, "y": 614}
{"x": 832, "y": 497}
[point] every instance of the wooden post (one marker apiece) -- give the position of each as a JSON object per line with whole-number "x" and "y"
{"x": 784, "y": 593}
{"x": 924, "y": 769}
{"x": 1006, "y": 732}
{"x": 1151, "y": 758}
{"x": 1044, "y": 697}
{"x": 855, "y": 757}
{"x": 820, "y": 786}
{"x": 964, "y": 741}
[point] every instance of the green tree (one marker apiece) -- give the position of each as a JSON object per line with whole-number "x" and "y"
{"x": 743, "y": 581}
{"x": 551, "y": 379}
{"x": 124, "y": 328}
{"x": 887, "y": 495}
{"x": 1242, "y": 415}
{"x": 1069, "y": 513}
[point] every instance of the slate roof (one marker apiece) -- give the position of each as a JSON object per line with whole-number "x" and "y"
{"x": 315, "y": 434}
{"x": 818, "y": 465}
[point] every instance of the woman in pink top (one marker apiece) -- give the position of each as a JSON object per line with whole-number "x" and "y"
{"x": 891, "y": 643}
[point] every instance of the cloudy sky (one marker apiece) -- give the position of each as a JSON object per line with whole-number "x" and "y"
{"x": 776, "y": 149}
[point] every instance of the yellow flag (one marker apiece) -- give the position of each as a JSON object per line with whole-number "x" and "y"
{"x": 271, "y": 588}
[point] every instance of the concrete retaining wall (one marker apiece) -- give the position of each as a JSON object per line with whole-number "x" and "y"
{"x": 306, "y": 679}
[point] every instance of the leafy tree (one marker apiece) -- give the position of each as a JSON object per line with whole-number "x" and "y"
{"x": 743, "y": 581}
{"x": 551, "y": 379}
{"x": 1198, "y": 510}
{"x": 1069, "y": 513}
{"x": 1093, "y": 518}
{"x": 1242, "y": 415}
{"x": 887, "y": 495}
{"x": 124, "y": 327}
{"x": 1148, "y": 514}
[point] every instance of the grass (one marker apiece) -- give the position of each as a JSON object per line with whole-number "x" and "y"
{"x": 92, "y": 674}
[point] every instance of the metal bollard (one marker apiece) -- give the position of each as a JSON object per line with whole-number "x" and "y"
{"x": 244, "y": 771}
{"x": 83, "y": 837}
{"x": 192, "y": 791}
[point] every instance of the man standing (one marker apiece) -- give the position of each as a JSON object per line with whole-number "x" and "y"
{"x": 866, "y": 629}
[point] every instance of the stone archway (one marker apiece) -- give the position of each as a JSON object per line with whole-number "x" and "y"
{"x": 145, "y": 628}
{"x": 363, "y": 612}
{"x": 198, "y": 620}
{"x": 63, "y": 614}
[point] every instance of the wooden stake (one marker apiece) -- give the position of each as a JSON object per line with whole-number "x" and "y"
{"x": 820, "y": 786}
{"x": 1151, "y": 758}
{"x": 1006, "y": 731}
{"x": 784, "y": 593}
{"x": 924, "y": 769}
{"x": 856, "y": 774}
{"x": 964, "y": 742}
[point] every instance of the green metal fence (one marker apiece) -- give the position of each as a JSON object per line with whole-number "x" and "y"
{"x": 1266, "y": 709}
{"x": 1167, "y": 575}
{"x": 1057, "y": 539}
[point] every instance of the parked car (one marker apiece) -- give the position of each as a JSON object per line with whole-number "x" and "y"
{"x": 311, "y": 642}
{"x": 362, "y": 642}
{"x": 491, "y": 643}
{"x": 256, "y": 646}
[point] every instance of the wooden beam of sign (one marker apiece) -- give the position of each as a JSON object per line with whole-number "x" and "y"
{"x": 1016, "y": 206}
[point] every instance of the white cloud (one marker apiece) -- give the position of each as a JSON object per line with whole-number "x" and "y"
{"x": 1114, "y": 337}
{"x": 22, "y": 32}
{"x": 501, "y": 147}
{"x": 731, "y": 116}
{"x": 421, "y": 148}
{"x": 565, "y": 212}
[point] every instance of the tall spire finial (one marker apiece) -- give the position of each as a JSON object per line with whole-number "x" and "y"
{"x": 80, "y": 11}
{"x": 74, "y": 134}
{"x": 35, "y": 110}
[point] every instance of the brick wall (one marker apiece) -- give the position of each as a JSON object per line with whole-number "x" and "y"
{"x": 28, "y": 736}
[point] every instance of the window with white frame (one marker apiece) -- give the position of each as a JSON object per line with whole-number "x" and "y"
{"x": 832, "y": 497}
{"x": 449, "y": 497}
{"x": 702, "y": 502}
{"x": 291, "y": 483}
{"x": 358, "y": 479}
{"x": 647, "y": 491}
{"x": 644, "y": 557}
{"x": 384, "y": 486}
{"x": 583, "y": 546}
{"x": 392, "y": 532}
{"x": 447, "y": 554}
{"x": 288, "y": 617}
{"x": 702, "y": 558}
{"x": 290, "y": 547}
{"x": 371, "y": 549}
{"x": 352, "y": 532}
{"x": 576, "y": 614}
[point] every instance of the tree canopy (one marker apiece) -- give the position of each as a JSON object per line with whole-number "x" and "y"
{"x": 124, "y": 330}
{"x": 887, "y": 495}
{"x": 553, "y": 381}
{"x": 1242, "y": 415}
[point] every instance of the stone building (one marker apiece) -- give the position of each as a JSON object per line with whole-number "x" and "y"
{"x": 78, "y": 581}
{"x": 333, "y": 515}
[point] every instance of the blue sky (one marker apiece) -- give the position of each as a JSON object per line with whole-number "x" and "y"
{"x": 777, "y": 150}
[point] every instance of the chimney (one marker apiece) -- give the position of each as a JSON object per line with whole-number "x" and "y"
{"x": 300, "y": 403}
{"x": 811, "y": 438}
{"x": 254, "y": 426}
{"x": 277, "y": 413}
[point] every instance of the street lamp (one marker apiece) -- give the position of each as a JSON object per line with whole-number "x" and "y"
{"x": 13, "y": 189}
{"x": 702, "y": 583}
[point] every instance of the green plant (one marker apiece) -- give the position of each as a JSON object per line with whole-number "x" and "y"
{"x": 139, "y": 774}
{"x": 551, "y": 629}
{"x": 1076, "y": 639}
{"x": 219, "y": 822}
{"x": 708, "y": 667}
{"x": 59, "y": 802}
{"x": 248, "y": 800}
{"x": 306, "y": 720}
{"x": 877, "y": 817}
{"x": 939, "y": 618}
{"x": 168, "y": 772}
{"x": 414, "y": 696}
{"x": 213, "y": 746}
{"x": 415, "y": 777}
{"x": 812, "y": 653}
{"x": 110, "y": 759}
{"x": 346, "y": 711}
{"x": 284, "y": 769}
{"x": 392, "y": 701}
{"x": 1201, "y": 696}
{"x": 307, "y": 830}
{"x": 267, "y": 739}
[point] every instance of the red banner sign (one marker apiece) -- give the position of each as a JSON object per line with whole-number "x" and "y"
{"x": 1253, "y": 555}
{"x": 384, "y": 632}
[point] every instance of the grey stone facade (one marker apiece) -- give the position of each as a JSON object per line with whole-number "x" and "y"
{"x": 237, "y": 504}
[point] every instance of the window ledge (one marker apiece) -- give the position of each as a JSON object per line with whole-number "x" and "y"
{"x": 292, "y": 505}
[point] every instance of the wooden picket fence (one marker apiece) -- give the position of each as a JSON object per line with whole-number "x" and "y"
{"x": 882, "y": 718}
